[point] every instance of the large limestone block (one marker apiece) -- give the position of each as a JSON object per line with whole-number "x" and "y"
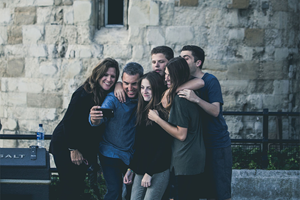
{"x": 143, "y": 13}
{"x": 25, "y": 15}
{"x": 44, "y": 15}
{"x": 279, "y": 5}
{"x": 273, "y": 70}
{"x": 214, "y": 17}
{"x": 246, "y": 53}
{"x": 52, "y": 85}
{"x": 274, "y": 37}
{"x": 179, "y": 34}
{"x": 214, "y": 37}
{"x": 214, "y": 65}
{"x": 15, "y": 50}
{"x": 254, "y": 37}
{"x": 245, "y": 70}
{"x": 84, "y": 51}
{"x": 44, "y": 2}
{"x": 235, "y": 87}
{"x": 48, "y": 68}
{"x": 215, "y": 52}
{"x": 15, "y": 67}
{"x": 3, "y": 35}
{"x": 117, "y": 51}
{"x": 5, "y": 16}
{"x": 32, "y": 34}
{"x": 188, "y": 3}
{"x": 276, "y": 102}
{"x": 111, "y": 35}
{"x": 255, "y": 102}
{"x": 71, "y": 68}
{"x": 47, "y": 114}
{"x": 82, "y": 12}
{"x": 154, "y": 13}
{"x": 236, "y": 34}
{"x": 37, "y": 51}
{"x": 52, "y": 33}
{"x": 155, "y": 36}
{"x": 281, "y": 54}
{"x": 70, "y": 32}
{"x": 279, "y": 20}
{"x": 85, "y": 34}
{"x": 167, "y": 13}
{"x": 13, "y": 99}
{"x": 15, "y": 35}
{"x": 239, "y": 4}
{"x": 45, "y": 100}
{"x": 68, "y": 15}
{"x": 281, "y": 87}
{"x": 136, "y": 35}
{"x": 193, "y": 16}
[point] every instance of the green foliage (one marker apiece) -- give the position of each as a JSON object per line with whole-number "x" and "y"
{"x": 92, "y": 191}
{"x": 286, "y": 159}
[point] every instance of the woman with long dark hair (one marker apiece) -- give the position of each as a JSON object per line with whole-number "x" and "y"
{"x": 152, "y": 156}
{"x": 74, "y": 142}
{"x": 188, "y": 151}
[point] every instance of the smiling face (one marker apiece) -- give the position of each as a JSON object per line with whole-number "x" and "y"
{"x": 109, "y": 78}
{"x": 146, "y": 90}
{"x": 130, "y": 84}
{"x": 167, "y": 78}
{"x": 159, "y": 62}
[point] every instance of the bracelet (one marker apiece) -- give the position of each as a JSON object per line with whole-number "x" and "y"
{"x": 129, "y": 170}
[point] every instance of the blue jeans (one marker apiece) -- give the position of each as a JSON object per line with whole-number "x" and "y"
{"x": 113, "y": 170}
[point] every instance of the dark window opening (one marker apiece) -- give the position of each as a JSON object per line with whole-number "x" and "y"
{"x": 114, "y": 14}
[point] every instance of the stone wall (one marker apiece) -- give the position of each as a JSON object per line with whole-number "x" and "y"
{"x": 49, "y": 47}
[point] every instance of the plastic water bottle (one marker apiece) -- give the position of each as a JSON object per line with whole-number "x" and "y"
{"x": 40, "y": 136}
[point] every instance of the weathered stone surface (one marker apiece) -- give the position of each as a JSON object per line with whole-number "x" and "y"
{"x": 179, "y": 34}
{"x": 85, "y": 34}
{"x": 67, "y": 2}
{"x": 239, "y": 4}
{"x": 15, "y": 99}
{"x": 15, "y": 50}
{"x": 15, "y": 67}
{"x": 15, "y": 35}
{"x": 236, "y": 34}
{"x": 82, "y": 12}
{"x": 68, "y": 15}
{"x": 32, "y": 34}
{"x": 25, "y": 15}
{"x": 37, "y": 51}
{"x": 109, "y": 35}
{"x": 44, "y": 100}
{"x": 3, "y": 35}
{"x": 154, "y": 13}
{"x": 244, "y": 70}
{"x": 139, "y": 13}
{"x": 254, "y": 37}
{"x": 44, "y": 2}
{"x": 71, "y": 69}
{"x": 281, "y": 54}
{"x": 193, "y": 16}
{"x": 5, "y": 16}
{"x": 48, "y": 69}
{"x": 136, "y": 35}
{"x": 279, "y": 20}
{"x": 155, "y": 36}
{"x": 52, "y": 33}
{"x": 188, "y": 3}
{"x": 44, "y": 15}
{"x": 279, "y": 5}
{"x": 117, "y": 51}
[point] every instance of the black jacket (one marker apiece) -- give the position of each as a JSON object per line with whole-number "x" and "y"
{"x": 74, "y": 130}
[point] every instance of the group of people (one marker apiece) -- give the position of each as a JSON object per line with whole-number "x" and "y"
{"x": 167, "y": 140}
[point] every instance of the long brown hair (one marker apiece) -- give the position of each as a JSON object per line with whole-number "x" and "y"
{"x": 91, "y": 84}
{"x": 179, "y": 72}
{"x": 157, "y": 88}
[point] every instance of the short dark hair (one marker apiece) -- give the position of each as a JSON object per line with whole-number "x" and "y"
{"x": 197, "y": 53}
{"x": 167, "y": 51}
{"x": 133, "y": 68}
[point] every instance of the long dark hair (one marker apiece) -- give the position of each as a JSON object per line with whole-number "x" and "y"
{"x": 91, "y": 84}
{"x": 179, "y": 72}
{"x": 157, "y": 88}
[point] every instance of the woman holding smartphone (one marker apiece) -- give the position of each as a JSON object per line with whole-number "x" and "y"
{"x": 188, "y": 151}
{"x": 152, "y": 156}
{"x": 74, "y": 142}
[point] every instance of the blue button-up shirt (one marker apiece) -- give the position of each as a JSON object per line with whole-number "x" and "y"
{"x": 119, "y": 134}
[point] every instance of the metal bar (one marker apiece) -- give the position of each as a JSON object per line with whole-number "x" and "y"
{"x": 24, "y": 181}
{"x": 261, "y": 113}
{"x": 265, "y": 139}
{"x": 24, "y": 137}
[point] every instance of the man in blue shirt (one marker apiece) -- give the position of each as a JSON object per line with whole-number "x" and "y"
{"x": 116, "y": 148}
{"x": 218, "y": 169}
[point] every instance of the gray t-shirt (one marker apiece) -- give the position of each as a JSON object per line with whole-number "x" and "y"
{"x": 188, "y": 157}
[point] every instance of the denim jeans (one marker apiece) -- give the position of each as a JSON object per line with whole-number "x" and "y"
{"x": 113, "y": 170}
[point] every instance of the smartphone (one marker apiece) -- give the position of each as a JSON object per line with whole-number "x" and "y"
{"x": 106, "y": 112}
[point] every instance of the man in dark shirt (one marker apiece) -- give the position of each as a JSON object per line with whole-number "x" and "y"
{"x": 116, "y": 148}
{"x": 218, "y": 168}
